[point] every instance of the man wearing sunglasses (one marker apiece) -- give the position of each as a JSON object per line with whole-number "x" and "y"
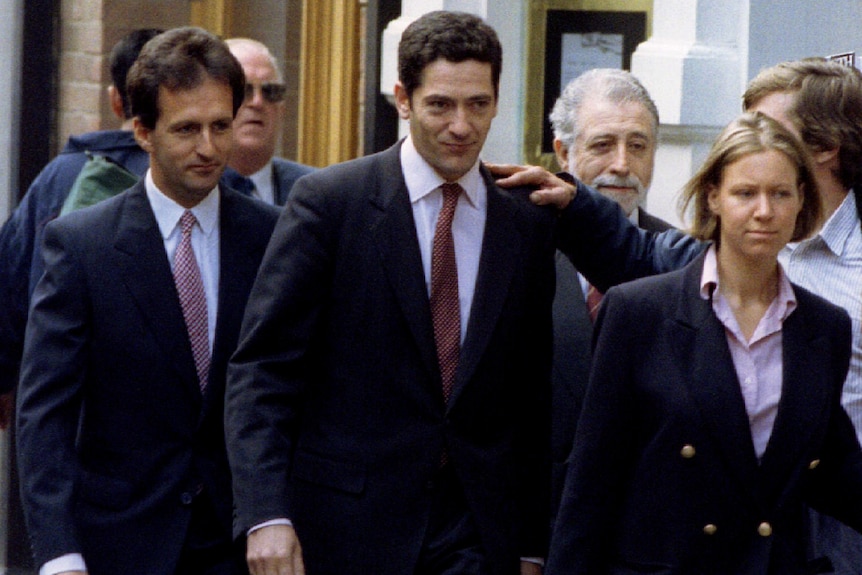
{"x": 259, "y": 123}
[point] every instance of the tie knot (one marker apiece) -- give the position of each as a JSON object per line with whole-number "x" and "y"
{"x": 187, "y": 222}
{"x": 451, "y": 190}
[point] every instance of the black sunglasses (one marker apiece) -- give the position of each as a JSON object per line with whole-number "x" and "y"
{"x": 272, "y": 93}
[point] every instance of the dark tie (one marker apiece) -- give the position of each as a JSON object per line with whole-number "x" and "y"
{"x": 594, "y": 298}
{"x": 445, "y": 308}
{"x": 190, "y": 288}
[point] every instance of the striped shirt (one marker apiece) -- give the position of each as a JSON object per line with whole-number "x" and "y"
{"x": 830, "y": 265}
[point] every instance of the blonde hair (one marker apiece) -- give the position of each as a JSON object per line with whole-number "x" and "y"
{"x": 750, "y": 133}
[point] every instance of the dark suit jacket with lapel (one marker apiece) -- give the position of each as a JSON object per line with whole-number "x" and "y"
{"x": 335, "y": 416}
{"x": 663, "y": 476}
{"x": 115, "y": 438}
{"x": 573, "y": 333}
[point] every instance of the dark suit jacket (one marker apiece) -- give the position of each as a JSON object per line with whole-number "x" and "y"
{"x": 335, "y": 416}
{"x": 573, "y": 333}
{"x": 285, "y": 174}
{"x": 663, "y": 477}
{"x": 116, "y": 442}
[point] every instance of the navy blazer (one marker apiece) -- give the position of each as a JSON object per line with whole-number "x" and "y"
{"x": 663, "y": 477}
{"x": 116, "y": 443}
{"x": 335, "y": 414}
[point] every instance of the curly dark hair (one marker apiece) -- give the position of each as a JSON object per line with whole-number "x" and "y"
{"x": 453, "y": 36}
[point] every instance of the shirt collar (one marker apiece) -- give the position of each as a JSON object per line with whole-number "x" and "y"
{"x": 421, "y": 179}
{"x": 836, "y": 232}
{"x": 168, "y": 212}
{"x": 709, "y": 283}
{"x": 263, "y": 177}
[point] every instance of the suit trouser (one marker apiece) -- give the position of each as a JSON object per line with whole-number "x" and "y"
{"x": 451, "y": 545}
{"x": 208, "y": 549}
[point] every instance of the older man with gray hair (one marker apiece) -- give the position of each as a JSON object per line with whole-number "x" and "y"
{"x": 258, "y": 126}
{"x": 605, "y": 134}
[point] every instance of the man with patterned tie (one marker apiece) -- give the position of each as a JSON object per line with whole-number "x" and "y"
{"x": 121, "y": 449}
{"x": 605, "y": 134}
{"x": 388, "y": 405}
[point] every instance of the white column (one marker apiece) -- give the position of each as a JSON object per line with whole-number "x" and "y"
{"x": 694, "y": 67}
{"x": 11, "y": 22}
{"x": 11, "y": 31}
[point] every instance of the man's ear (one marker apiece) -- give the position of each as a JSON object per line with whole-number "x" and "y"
{"x": 825, "y": 157}
{"x": 142, "y": 135}
{"x": 402, "y": 101}
{"x": 562, "y": 155}
{"x": 116, "y": 103}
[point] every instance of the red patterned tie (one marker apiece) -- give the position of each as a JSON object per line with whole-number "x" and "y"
{"x": 190, "y": 288}
{"x": 445, "y": 308}
{"x": 594, "y": 298}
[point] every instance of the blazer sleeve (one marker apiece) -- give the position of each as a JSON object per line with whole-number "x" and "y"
{"x": 608, "y": 249}
{"x": 837, "y": 481}
{"x": 49, "y": 399}
{"x": 603, "y": 451}
{"x": 270, "y": 368}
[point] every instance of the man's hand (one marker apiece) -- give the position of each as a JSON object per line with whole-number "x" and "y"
{"x": 7, "y": 403}
{"x": 529, "y": 568}
{"x": 274, "y": 550}
{"x": 551, "y": 189}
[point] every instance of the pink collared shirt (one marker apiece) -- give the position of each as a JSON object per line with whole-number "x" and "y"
{"x": 758, "y": 361}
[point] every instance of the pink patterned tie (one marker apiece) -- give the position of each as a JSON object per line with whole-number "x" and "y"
{"x": 445, "y": 308}
{"x": 190, "y": 288}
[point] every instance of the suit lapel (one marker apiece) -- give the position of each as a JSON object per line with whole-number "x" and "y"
{"x": 237, "y": 271}
{"x": 395, "y": 233}
{"x": 702, "y": 351}
{"x": 145, "y": 271}
{"x": 497, "y": 264}
{"x": 804, "y": 400}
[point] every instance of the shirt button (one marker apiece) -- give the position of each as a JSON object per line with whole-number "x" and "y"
{"x": 710, "y": 529}
{"x": 186, "y": 498}
{"x": 764, "y": 529}
{"x": 814, "y": 463}
{"x": 687, "y": 451}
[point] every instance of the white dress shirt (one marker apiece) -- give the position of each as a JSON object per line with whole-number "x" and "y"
{"x": 468, "y": 225}
{"x": 263, "y": 184}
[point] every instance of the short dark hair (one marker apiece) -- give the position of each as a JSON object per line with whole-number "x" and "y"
{"x": 453, "y": 36}
{"x": 181, "y": 59}
{"x": 123, "y": 55}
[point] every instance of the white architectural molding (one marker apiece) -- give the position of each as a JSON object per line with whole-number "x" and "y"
{"x": 11, "y": 33}
{"x": 694, "y": 68}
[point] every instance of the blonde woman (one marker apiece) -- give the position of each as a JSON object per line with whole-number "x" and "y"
{"x": 713, "y": 409}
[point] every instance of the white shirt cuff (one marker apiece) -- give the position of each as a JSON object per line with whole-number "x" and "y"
{"x": 68, "y": 562}
{"x": 280, "y": 521}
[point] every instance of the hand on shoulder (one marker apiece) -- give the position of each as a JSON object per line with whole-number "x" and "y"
{"x": 550, "y": 189}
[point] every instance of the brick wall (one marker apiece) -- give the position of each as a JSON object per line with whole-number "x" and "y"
{"x": 88, "y": 31}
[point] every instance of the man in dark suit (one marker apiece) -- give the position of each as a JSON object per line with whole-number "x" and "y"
{"x": 259, "y": 123}
{"x": 387, "y": 407}
{"x": 605, "y": 133}
{"x": 120, "y": 413}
